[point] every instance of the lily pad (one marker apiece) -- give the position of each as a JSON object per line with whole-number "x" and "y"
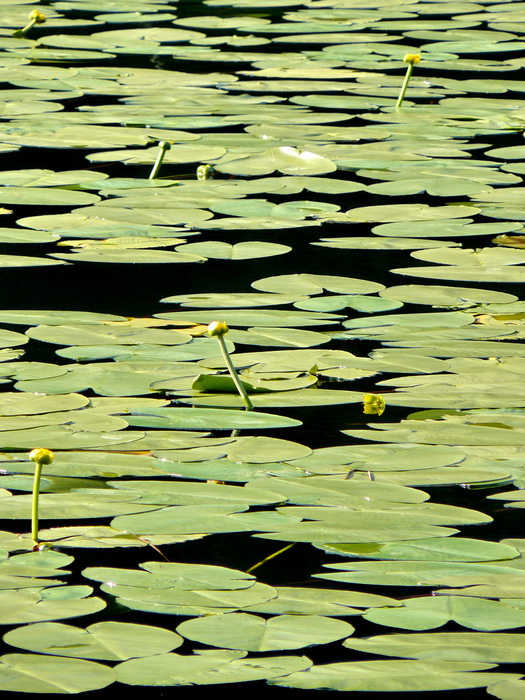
{"x": 397, "y": 676}
{"x": 32, "y": 673}
{"x": 207, "y": 667}
{"x": 111, "y": 641}
{"x": 253, "y": 633}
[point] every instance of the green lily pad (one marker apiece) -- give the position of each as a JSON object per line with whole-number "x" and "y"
{"x": 221, "y": 300}
{"x": 240, "y": 251}
{"x": 440, "y": 549}
{"x": 103, "y": 334}
{"x": 444, "y": 646}
{"x": 502, "y": 273}
{"x": 507, "y": 690}
{"x": 208, "y": 419}
{"x": 111, "y": 641}
{"x": 267, "y": 317}
{"x": 441, "y": 295}
{"x": 392, "y": 243}
{"x": 253, "y": 633}
{"x": 397, "y": 676}
{"x": 32, "y": 673}
{"x": 27, "y": 261}
{"x": 320, "y": 601}
{"x": 285, "y": 159}
{"x": 128, "y": 256}
{"x": 207, "y": 667}
{"x": 315, "y": 284}
{"x": 435, "y": 611}
{"x": 39, "y": 605}
{"x": 55, "y": 318}
{"x": 46, "y": 196}
{"x": 408, "y": 212}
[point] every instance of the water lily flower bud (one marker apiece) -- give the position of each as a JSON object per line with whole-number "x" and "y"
{"x": 412, "y": 58}
{"x": 205, "y": 172}
{"x": 217, "y": 329}
{"x": 41, "y": 455}
{"x": 373, "y": 404}
{"x": 37, "y": 16}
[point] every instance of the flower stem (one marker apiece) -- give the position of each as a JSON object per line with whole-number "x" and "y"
{"x": 408, "y": 74}
{"x": 34, "y": 504}
{"x": 268, "y": 558}
{"x": 233, "y": 373}
{"x": 163, "y": 147}
{"x": 40, "y": 456}
{"x": 35, "y": 17}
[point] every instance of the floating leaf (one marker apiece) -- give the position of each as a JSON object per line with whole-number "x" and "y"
{"x": 207, "y": 667}
{"x": 36, "y": 605}
{"x": 408, "y": 212}
{"x": 252, "y": 633}
{"x": 285, "y": 159}
{"x": 32, "y": 673}
{"x": 430, "y": 612}
{"x": 315, "y": 284}
{"x": 397, "y": 676}
{"x": 444, "y": 646}
{"x": 239, "y": 251}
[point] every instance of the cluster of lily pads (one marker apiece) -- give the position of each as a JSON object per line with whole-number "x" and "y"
{"x": 147, "y": 429}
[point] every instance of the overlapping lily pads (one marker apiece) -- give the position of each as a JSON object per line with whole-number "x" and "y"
{"x": 153, "y": 445}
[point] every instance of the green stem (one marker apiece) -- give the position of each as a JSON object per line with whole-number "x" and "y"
{"x": 29, "y": 26}
{"x": 233, "y": 374}
{"x": 271, "y": 556}
{"x": 34, "y": 505}
{"x": 408, "y": 74}
{"x": 163, "y": 147}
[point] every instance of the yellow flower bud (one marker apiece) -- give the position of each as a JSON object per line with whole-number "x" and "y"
{"x": 41, "y": 455}
{"x": 37, "y": 16}
{"x": 217, "y": 329}
{"x": 205, "y": 172}
{"x": 373, "y": 404}
{"x": 412, "y": 58}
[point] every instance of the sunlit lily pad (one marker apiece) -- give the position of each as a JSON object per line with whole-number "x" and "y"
{"x": 52, "y": 318}
{"x": 32, "y": 673}
{"x": 189, "y": 153}
{"x": 287, "y": 160}
{"x": 315, "y": 284}
{"x": 110, "y": 255}
{"x": 239, "y": 251}
{"x": 320, "y": 601}
{"x": 252, "y": 633}
{"x": 94, "y": 334}
{"x": 222, "y": 300}
{"x": 27, "y": 261}
{"x": 207, "y": 419}
{"x": 457, "y": 646}
{"x": 449, "y": 549}
{"x": 39, "y": 605}
{"x": 408, "y": 212}
{"x": 434, "y": 611}
{"x": 392, "y": 243}
{"x": 207, "y": 667}
{"x": 17, "y": 235}
{"x": 467, "y": 273}
{"x": 112, "y": 641}
{"x": 397, "y": 676}
{"x": 436, "y": 295}
{"x": 252, "y": 317}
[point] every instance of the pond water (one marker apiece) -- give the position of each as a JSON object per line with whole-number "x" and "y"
{"x": 360, "y": 530}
